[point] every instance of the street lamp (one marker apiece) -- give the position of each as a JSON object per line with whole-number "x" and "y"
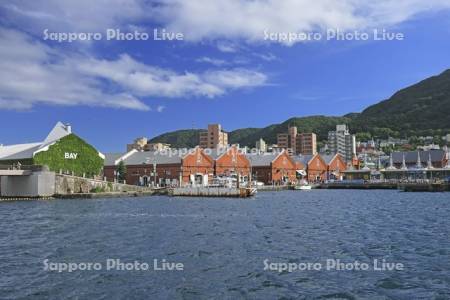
{"x": 154, "y": 171}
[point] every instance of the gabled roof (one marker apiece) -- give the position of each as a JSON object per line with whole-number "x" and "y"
{"x": 26, "y": 151}
{"x": 262, "y": 159}
{"x": 304, "y": 159}
{"x": 20, "y": 151}
{"x": 151, "y": 157}
{"x": 58, "y": 132}
{"x": 111, "y": 158}
{"x": 329, "y": 158}
{"x": 215, "y": 154}
{"x": 411, "y": 156}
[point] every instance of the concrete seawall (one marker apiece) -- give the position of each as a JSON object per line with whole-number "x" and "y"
{"x": 359, "y": 186}
{"x": 66, "y": 185}
{"x": 45, "y": 184}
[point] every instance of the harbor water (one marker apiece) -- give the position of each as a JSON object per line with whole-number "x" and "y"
{"x": 229, "y": 248}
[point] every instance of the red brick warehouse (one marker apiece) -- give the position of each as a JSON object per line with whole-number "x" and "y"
{"x": 230, "y": 161}
{"x": 273, "y": 168}
{"x": 171, "y": 167}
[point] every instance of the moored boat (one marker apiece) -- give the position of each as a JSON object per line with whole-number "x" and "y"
{"x": 302, "y": 187}
{"x": 213, "y": 191}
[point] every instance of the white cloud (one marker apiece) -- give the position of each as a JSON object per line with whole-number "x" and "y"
{"x": 212, "y": 61}
{"x": 227, "y": 47}
{"x": 214, "y": 19}
{"x": 240, "y": 19}
{"x": 160, "y": 108}
{"x": 31, "y": 72}
{"x": 266, "y": 56}
{"x": 73, "y": 15}
{"x": 235, "y": 79}
{"x": 144, "y": 80}
{"x": 227, "y": 21}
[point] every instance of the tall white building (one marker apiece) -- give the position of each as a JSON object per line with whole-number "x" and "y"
{"x": 261, "y": 145}
{"x": 342, "y": 142}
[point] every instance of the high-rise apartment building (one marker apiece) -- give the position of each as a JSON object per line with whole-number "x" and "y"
{"x": 138, "y": 144}
{"x": 261, "y": 145}
{"x": 283, "y": 140}
{"x": 143, "y": 144}
{"x": 306, "y": 144}
{"x": 342, "y": 142}
{"x": 303, "y": 143}
{"x": 214, "y": 137}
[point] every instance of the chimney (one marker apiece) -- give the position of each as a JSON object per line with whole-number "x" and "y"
{"x": 69, "y": 128}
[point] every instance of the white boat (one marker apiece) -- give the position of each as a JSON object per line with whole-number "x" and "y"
{"x": 302, "y": 187}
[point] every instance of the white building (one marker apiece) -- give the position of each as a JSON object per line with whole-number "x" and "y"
{"x": 261, "y": 145}
{"x": 342, "y": 142}
{"x": 24, "y": 152}
{"x": 447, "y": 138}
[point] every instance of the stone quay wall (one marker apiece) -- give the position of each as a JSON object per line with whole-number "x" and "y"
{"x": 67, "y": 184}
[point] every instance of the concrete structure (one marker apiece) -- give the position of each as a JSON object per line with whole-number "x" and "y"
{"x": 68, "y": 185}
{"x": 342, "y": 142}
{"x": 306, "y": 144}
{"x": 288, "y": 140}
{"x": 142, "y": 144}
{"x": 261, "y": 145}
{"x": 138, "y": 144}
{"x": 162, "y": 168}
{"x": 303, "y": 143}
{"x": 36, "y": 182}
{"x": 273, "y": 168}
{"x": 156, "y": 147}
{"x": 214, "y": 137}
{"x": 284, "y": 141}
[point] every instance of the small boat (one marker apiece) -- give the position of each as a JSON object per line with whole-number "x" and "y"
{"x": 303, "y": 187}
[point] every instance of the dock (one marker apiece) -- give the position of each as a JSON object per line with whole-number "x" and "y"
{"x": 212, "y": 192}
{"x": 359, "y": 185}
{"x": 424, "y": 187}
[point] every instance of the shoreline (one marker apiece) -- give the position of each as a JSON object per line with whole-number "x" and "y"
{"x": 405, "y": 187}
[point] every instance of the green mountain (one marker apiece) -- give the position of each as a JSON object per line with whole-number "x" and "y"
{"x": 187, "y": 138}
{"x": 421, "y": 109}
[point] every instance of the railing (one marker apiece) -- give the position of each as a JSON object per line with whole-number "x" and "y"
{"x": 18, "y": 167}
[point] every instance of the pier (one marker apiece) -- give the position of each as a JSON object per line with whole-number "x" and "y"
{"x": 359, "y": 185}
{"x": 424, "y": 187}
{"x": 212, "y": 192}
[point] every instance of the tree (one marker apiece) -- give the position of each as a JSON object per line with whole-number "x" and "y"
{"x": 121, "y": 171}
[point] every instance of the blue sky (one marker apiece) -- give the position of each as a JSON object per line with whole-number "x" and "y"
{"x": 223, "y": 71}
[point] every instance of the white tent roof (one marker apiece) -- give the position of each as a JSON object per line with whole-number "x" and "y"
{"x": 58, "y": 132}
{"x": 19, "y": 151}
{"x": 24, "y": 151}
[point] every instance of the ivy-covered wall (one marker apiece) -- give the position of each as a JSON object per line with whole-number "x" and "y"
{"x": 72, "y": 154}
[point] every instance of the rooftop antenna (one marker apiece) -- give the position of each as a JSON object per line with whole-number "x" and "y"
{"x": 404, "y": 167}
{"x": 419, "y": 162}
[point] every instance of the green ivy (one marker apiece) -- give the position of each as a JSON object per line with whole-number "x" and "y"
{"x": 88, "y": 161}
